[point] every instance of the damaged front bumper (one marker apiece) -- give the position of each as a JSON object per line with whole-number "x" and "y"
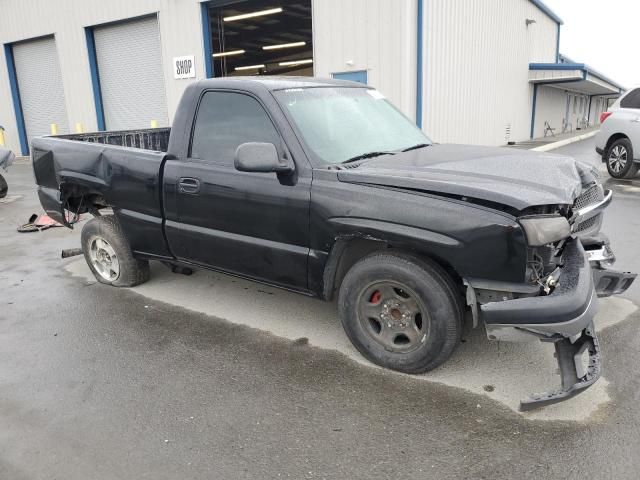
{"x": 564, "y": 317}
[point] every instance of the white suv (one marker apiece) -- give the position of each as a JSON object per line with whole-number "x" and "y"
{"x": 619, "y": 136}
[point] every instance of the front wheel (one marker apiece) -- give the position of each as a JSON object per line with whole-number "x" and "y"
{"x": 620, "y": 162}
{"x": 401, "y": 312}
{"x": 108, "y": 254}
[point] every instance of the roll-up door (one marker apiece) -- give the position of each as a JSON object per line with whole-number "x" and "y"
{"x": 131, "y": 75}
{"x": 40, "y": 86}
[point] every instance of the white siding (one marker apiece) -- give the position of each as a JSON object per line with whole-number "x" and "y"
{"x": 477, "y": 68}
{"x": 180, "y": 34}
{"x": 378, "y": 36}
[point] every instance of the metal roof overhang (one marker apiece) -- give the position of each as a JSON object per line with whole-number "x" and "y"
{"x": 572, "y": 76}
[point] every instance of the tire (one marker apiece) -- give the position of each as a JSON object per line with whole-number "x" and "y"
{"x": 109, "y": 256}
{"x": 3, "y": 187}
{"x": 619, "y": 158}
{"x": 376, "y": 322}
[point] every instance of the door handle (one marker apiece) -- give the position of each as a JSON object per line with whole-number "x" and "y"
{"x": 636, "y": 120}
{"x": 189, "y": 185}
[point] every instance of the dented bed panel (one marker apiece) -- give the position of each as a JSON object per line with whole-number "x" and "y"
{"x": 127, "y": 178}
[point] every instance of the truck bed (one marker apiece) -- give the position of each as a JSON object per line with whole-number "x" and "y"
{"x": 120, "y": 169}
{"x": 156, "y": 139}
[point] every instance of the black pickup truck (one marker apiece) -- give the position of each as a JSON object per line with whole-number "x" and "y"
{"x": 324, "y": 188}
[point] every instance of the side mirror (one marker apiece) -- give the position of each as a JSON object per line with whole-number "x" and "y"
{"x": 260, "y": 157}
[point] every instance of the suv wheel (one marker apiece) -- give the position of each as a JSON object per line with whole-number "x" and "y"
{"x": 401, "y": 312}
{"x": 620, "y": 162}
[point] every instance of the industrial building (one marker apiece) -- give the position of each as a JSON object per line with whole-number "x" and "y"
{"x": 466, "y": 71}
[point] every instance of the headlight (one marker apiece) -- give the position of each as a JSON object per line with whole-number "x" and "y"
{"x": 541, "y": 230}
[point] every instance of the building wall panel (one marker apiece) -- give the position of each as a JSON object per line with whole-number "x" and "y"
{"x": 477, "y": 66}
{"x": 180, "y": 34}
{"x": 378, "y": 36}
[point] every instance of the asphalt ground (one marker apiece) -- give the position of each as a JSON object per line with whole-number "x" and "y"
{"x": 209, "y": 376}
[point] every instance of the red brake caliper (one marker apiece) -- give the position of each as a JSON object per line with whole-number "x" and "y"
{"x": 375, "y": 297}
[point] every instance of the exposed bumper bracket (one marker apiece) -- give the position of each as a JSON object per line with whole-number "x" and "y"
{"x": 576, "y": 377}
{"x": 611, "y": 282}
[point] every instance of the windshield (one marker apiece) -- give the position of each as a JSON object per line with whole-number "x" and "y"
{"x": 339, "y": 124}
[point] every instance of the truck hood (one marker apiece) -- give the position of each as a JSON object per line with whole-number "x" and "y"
{"x": 508, "y": 176}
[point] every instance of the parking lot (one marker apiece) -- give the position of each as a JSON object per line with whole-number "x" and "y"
{"x": 209, "y": 376}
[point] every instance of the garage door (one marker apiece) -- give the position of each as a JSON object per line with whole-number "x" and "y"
{"x": 131, "y": 74}
{"x": 40, "y": 86}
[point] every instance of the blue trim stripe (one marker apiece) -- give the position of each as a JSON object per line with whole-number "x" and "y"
{"x": 419, "y": 65}
{"x": 586, "y": 69}
{"x": 547, "y": 11}
{"x": 359, "y": 76}
{"x": 206, "y": 36}
{"x": 558, "y": 45}
{"x": 95, "y": 78}
{"x": 533, "y": 109}
{"x": 15, "y": 95}
{"x": 557, "y": 66}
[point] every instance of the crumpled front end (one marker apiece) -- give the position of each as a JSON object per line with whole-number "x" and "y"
{"x": 568, "y": 268}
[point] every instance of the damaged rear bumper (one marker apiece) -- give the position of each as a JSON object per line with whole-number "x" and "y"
{"x": 565, "y": 318}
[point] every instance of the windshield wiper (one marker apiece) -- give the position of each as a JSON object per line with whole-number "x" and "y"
{"x": 367, "y": 155}
{"x": 415, "y": 147}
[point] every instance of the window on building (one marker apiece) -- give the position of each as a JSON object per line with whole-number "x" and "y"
{"x": 575, "y": 106}
{"x": 226, "y": 120}
{"x": 631, "y": 100}
{"x": 253, "y": 37}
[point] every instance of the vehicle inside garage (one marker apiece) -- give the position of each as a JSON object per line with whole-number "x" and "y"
{"x": 257, "y": 38}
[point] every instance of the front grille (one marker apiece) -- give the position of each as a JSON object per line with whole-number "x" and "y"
{"x": 588, "y": 224}
{"x": 590, "y": 196}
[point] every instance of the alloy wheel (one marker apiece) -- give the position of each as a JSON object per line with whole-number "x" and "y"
{"x": 104, "y": 259}
{"x": 618, "y": 158}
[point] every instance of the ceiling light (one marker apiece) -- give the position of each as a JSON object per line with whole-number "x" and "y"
{"x": 250, "y": 67}
{"x": 295, "y": 62}
{"x": 230, "y": 52}
{"x": 253, "y": 14}
{"x": 284, "y": 45}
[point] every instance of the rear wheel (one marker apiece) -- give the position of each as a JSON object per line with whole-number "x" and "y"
{"x": 619, "y": 157}
{"x": 109, "y": 256}
{"x": 401, "y": 312}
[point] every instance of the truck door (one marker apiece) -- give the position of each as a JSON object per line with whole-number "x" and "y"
{"x": 250, "y": 224}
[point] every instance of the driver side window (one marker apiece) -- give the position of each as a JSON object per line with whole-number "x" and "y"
{"x": 226, "y": 120}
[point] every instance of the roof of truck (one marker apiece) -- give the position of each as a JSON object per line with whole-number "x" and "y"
{"x": 282, "y": 82}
